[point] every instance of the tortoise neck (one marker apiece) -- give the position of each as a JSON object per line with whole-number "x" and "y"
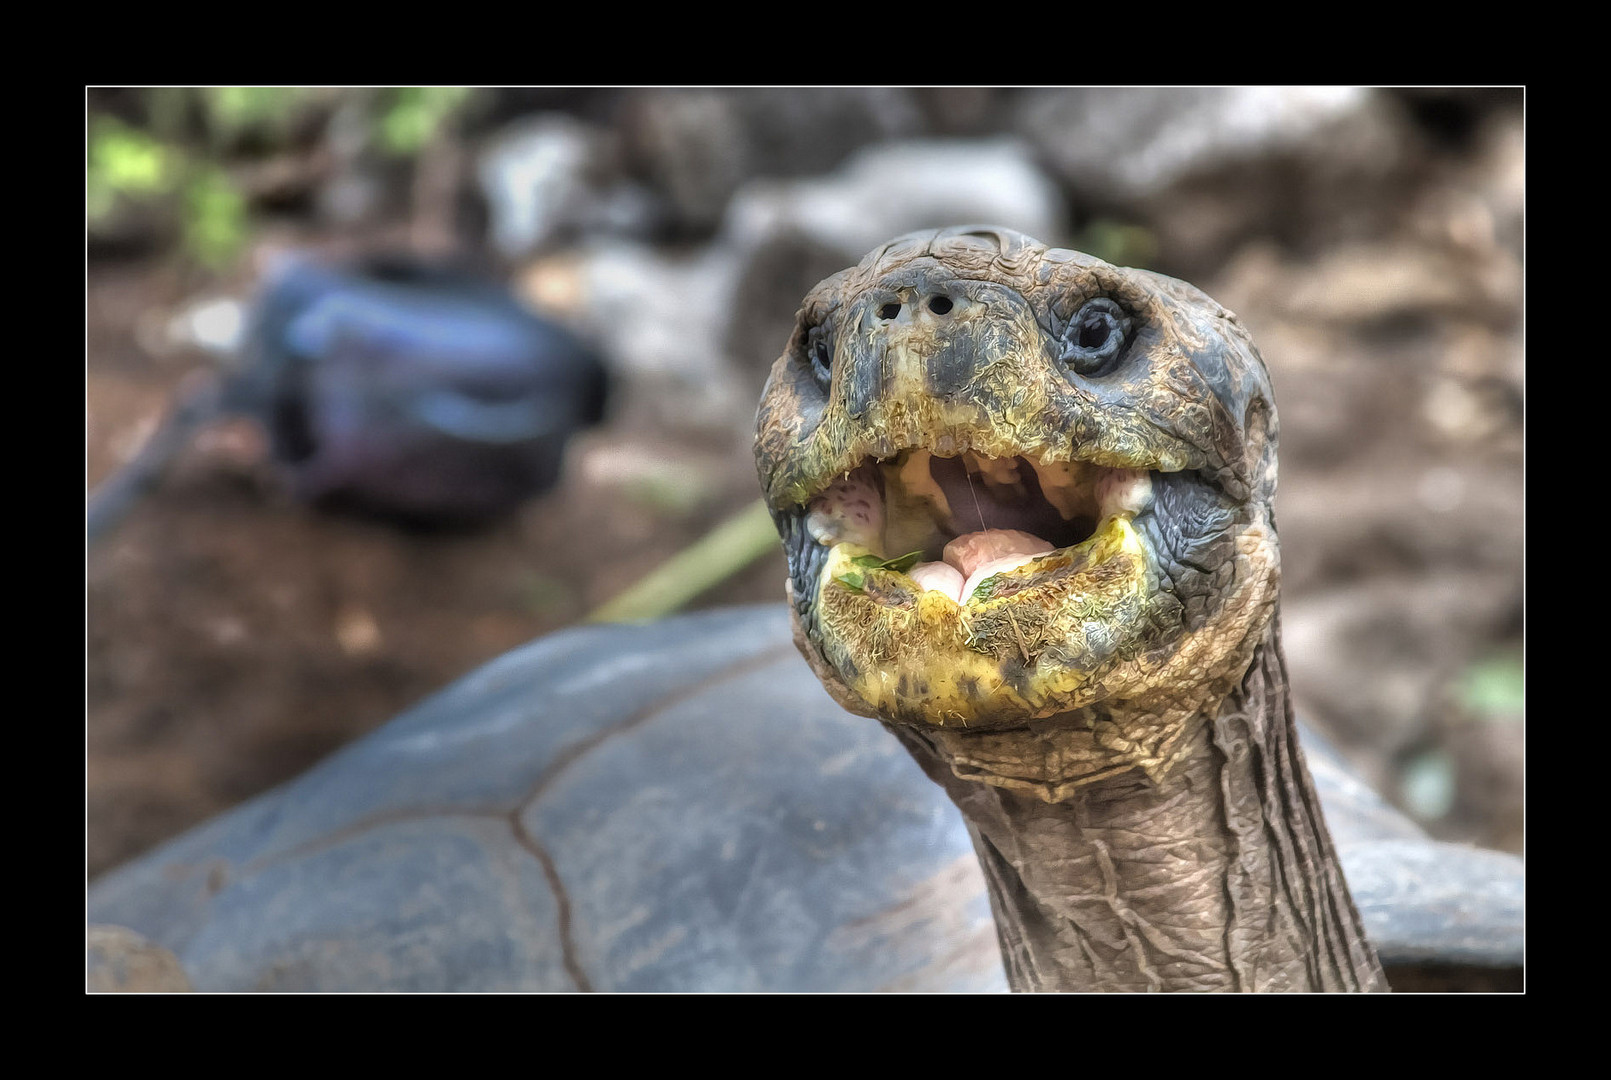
{"x": 1223, "y": 877}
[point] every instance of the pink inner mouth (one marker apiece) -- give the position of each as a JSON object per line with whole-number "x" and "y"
{"x": 970, "y": 517}
{"x": 1011, "y": 500}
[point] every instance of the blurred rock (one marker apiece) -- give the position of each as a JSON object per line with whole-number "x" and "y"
{"x": 697, "y": 147}
{"x": 660, "y": 316}
{"x": 357, "y": 632}
{"x": 1484, "y": 412}
{"x": 695, "y": 332}
{"x": 117, "y": 960}
{"x": 356, "y": 188}
{"x": 891, "y": 189}
{"x": 214, "y": 325}
{"x": 1207, "y": 170}
{"x": 553, "y": 177}
{"x": 1377, "y": 344}
{"x": 1125, "y": 144}
{"x": 1427, "y": 785}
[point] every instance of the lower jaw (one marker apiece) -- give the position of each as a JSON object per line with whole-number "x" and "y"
{"x": 1051, "y": 636}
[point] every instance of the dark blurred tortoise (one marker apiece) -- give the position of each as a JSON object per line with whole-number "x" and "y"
{"x": 1076, "y": 638}
{"x": 416, "y": 389}
{"x": 408, "y": 389}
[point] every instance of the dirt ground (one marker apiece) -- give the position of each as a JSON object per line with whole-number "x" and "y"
{"x": 235, "y": 637}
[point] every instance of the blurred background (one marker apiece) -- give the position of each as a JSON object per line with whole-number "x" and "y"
{"x": 261, "y": 602}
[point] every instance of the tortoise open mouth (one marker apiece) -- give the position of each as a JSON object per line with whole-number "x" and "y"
{"x": 970, "y": 589}
{"x": 970, "y": 528}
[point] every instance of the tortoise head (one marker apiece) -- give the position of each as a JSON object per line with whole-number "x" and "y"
{"x": 1015, "y": 482}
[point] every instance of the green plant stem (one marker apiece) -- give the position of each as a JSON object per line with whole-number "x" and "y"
{"x": 710, "y": 560}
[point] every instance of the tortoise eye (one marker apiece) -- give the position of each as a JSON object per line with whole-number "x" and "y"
{"x": 819, "y": 354}
{"x": 1095, "y": 336}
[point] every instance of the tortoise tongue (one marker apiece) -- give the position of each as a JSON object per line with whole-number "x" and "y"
{"x": 972, "y": 552}
{"x": 972, "y": 557}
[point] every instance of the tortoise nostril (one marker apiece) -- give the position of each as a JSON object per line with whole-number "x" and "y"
{"x": 940, "y": 305}
{"x": 889, "y": 311}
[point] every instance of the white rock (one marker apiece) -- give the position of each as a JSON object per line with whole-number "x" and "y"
{"x": 1131, "y": 142}
{"x": 551, "y": 174}
{"x": 893, "y": 188}
{"x": 660, "y": 318}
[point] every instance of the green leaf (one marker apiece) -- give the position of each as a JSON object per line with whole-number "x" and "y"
{"x": 123, "y": 161}
{"x": 1494, "y": 688}
{"x": 853, "y": 580}
{"x": 900, "y": 564}
{"x": 903, "y": 563}
{"x": 415, "y": 114}
{"x": 715, "y": 557}
{"x": 215, "y": 222}
{"x": 232, "y": 110}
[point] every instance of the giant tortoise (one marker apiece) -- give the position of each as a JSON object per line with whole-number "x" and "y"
{"x": 1025, "y": 498}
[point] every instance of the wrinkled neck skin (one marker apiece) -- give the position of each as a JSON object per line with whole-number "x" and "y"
{"x": 1220, "y": 877}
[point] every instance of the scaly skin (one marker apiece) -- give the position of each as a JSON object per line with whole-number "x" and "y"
{"x": 1111, "y": 717}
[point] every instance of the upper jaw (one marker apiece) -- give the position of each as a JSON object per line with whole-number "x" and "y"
{"x": 1044, "y": 437}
